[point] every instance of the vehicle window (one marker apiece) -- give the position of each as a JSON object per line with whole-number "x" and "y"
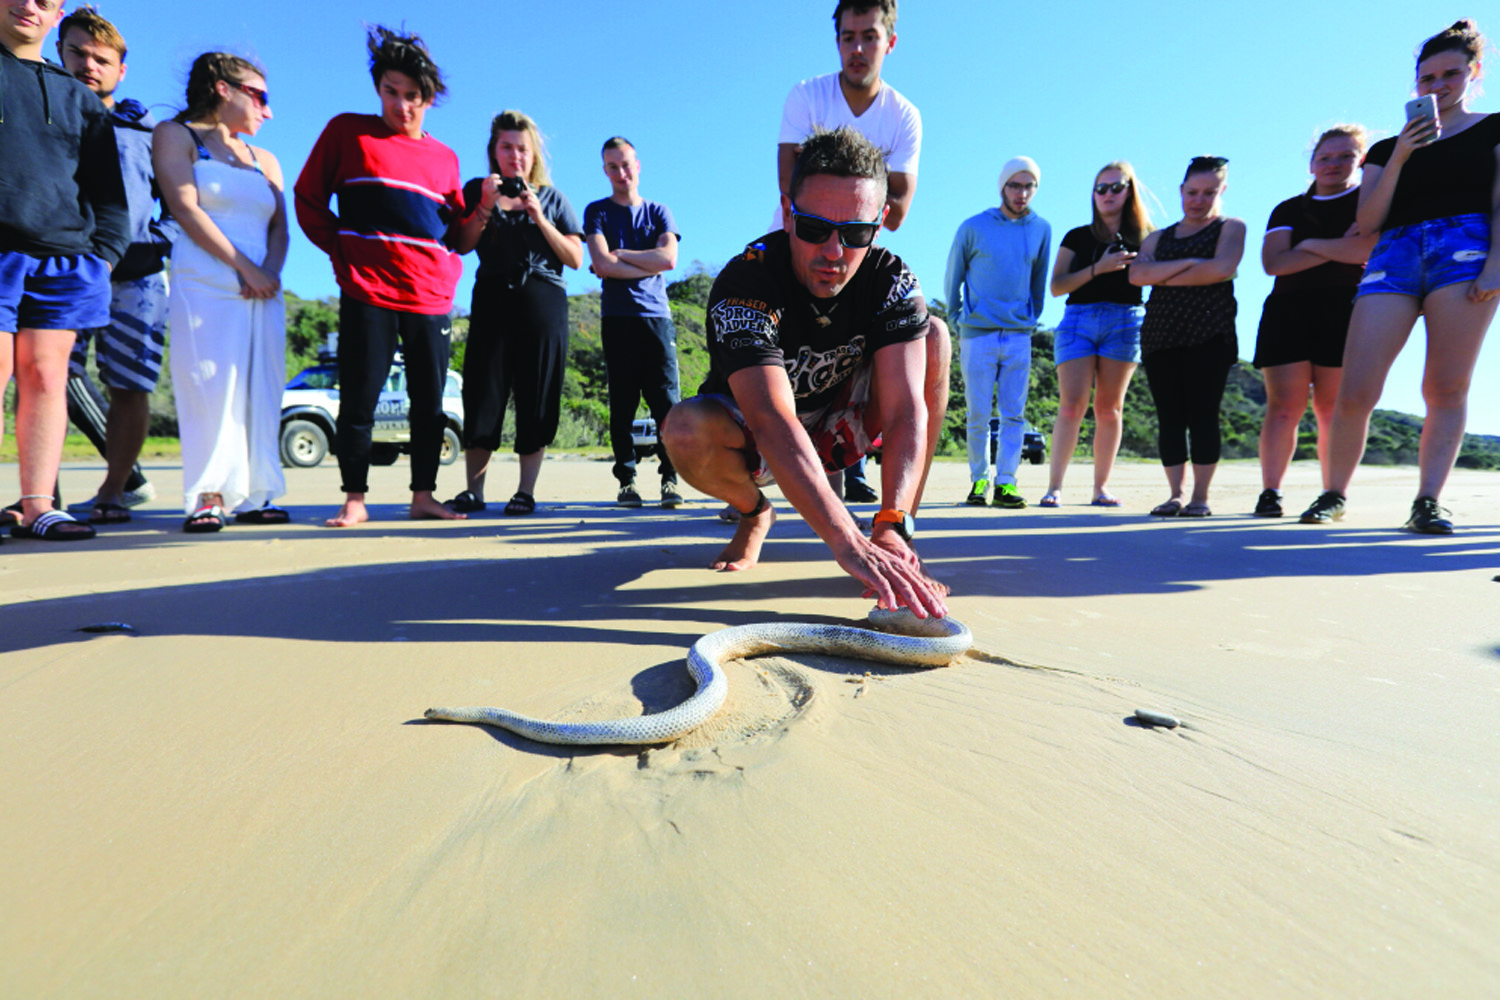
{"x": 317, "y": 377}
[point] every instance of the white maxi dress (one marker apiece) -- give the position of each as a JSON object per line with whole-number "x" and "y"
{"x": 228, "y": 352}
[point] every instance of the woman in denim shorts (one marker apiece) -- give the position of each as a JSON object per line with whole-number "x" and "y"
{"x": 1098, "y": 343}
{"x": 1430, "y": 193}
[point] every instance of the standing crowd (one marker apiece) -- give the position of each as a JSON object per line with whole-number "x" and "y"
{"x": 820, "y": 342}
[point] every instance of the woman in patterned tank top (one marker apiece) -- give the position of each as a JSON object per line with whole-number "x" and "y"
{"x": 1188, "y": 343}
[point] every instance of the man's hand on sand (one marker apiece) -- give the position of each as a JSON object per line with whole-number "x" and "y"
{"x": 893, "y": 575}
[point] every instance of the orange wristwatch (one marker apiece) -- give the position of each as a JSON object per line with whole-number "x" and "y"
{"x": 900, "y": 520}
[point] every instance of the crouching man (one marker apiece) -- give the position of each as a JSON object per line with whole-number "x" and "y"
{"x": 819, "y": 342}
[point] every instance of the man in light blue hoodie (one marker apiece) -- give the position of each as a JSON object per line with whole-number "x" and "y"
{"x": 997, "y": 282}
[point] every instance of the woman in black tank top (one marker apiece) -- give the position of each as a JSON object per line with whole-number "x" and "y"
{"x": 1188, "y": 342}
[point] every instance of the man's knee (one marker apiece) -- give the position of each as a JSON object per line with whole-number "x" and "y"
{"x": 691, "y": 428}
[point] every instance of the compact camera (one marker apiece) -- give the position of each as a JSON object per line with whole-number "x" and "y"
{"x": 512, "y": 187}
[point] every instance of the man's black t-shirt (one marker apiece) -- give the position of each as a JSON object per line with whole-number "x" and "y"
{"x": 1453, "y": 176}
{"x": 759, "y": 314}
{"x": 1114, "y": 286}
{"x": 1325, "y": 217}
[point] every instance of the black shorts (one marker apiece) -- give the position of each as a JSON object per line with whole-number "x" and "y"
{"x": 1308, "y": 325}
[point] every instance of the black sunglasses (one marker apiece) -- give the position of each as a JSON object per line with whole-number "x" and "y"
{"x": 1209, "y": 162}
{"x": 816, "y": 229}
{"x": 260, "y": 97}
{"x": 1114, "y": 188}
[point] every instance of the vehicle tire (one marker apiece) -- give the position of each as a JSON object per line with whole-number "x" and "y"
{"x": 303, "y": 444}
{"x": 452, "y": 447}
{"x": 384, "y": 454}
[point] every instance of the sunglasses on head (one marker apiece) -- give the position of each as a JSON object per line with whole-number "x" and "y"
{"x": 1114, "y": 188}
{"x": 260, "y": 97}
{"x": 1208, "y": 162}
{"x": 816, "y": 229}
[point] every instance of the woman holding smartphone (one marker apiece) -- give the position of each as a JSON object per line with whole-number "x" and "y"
{"x": 1314, "y": 250}
{"x": 1188, "y": 342}
{"x": 1098, "y": 343}
{"x": 1431, "y": 193}
{"x": 526, "y": 232}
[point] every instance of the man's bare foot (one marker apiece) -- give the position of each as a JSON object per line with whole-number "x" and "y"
{"x": 743, "y": 550}
{"x": 729, "y": 515}
{"x": 425, "y": 507}
{"x": 353, "y": 512}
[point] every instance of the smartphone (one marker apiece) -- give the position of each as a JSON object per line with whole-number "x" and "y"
{"x": 1425, "y": 107}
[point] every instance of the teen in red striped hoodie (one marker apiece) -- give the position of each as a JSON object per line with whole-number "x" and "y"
{"x": 399, "y": 200}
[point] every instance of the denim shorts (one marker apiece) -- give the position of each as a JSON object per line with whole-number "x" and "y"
{"x": 66, "y": 292}
{"x": 1108, "y": 329}
{"x": 129, "y": 350}
{"x": 1420, "y": 258}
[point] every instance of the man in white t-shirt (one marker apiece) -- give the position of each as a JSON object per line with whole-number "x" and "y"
{"x": 856, "y": 96}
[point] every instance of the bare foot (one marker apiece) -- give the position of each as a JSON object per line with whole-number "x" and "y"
{"x": 425, "y": 507}
{"x": 729, "y": 515}
{"x": 353, "y": 512}
{"x": 743, "y": 550}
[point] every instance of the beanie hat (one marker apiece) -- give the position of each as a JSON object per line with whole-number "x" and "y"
{"x": 1014, "y": 166}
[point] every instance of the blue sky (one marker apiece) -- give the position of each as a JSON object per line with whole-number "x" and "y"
{"x": 698, "y": 87}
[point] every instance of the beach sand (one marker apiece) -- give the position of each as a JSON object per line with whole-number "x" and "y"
{"x": 242, "y": 799}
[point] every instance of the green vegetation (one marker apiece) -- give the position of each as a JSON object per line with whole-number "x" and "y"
{"x": 585, "y": 421}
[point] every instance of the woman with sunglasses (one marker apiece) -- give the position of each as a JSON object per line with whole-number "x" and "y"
{"x": 226, "y": 312}
{"x": 1188, "y": 343}
{"x": 1098, "y": 343}
{"x": 1313, "y": 249}
{"x": 526, "y": 232}
{"x": 1431, "y": 192}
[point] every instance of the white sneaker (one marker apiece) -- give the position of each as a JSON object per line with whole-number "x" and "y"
{"x": 130, "y": 498}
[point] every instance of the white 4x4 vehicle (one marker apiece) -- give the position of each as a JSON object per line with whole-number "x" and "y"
{"x": 310, "y": 405}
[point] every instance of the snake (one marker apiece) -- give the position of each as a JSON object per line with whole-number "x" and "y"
{"x": 904, "y": 641}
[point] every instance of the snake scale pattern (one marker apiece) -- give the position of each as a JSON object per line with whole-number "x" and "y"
{"x": 907, "y": 641}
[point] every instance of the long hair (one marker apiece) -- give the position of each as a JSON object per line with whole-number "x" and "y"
{"x": 519, "y": 121}
{"x": 1135, "y": 221}
{"x": 1460, "y": 36}
{"x": 203, "y": 83}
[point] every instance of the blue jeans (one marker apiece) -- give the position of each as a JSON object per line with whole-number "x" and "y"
{"x": 999, "y": 360}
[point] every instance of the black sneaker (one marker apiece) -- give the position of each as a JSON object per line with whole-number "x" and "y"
{"x": 1269, "y": 504}
{"x": 1427, "y": 518}
{"x": 856, "y": 491}
{"x": 669, "y": 495}
{"x": 1328, "y": 507}
{"x": 627, "y": 496}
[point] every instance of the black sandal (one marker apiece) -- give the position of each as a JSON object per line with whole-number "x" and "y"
{"x": 521, "y": 503}
{"x": 465, "y": 503}
{"x": 268, "y": 514}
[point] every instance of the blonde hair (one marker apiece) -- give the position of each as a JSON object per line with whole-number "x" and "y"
{"x": 1344, "y": 130}
{"x": 1135, "y": 221}
{"x": 519, "y": 121}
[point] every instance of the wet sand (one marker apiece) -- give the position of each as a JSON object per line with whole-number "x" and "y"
{"x": 241, "y": 797}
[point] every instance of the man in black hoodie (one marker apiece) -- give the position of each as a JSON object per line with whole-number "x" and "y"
{"x": 64, "y": 224}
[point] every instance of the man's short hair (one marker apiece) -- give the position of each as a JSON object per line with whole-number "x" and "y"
{"x": 617, "y": 142}
{"x": 88, "y": 20}
{"x": 887, "y": 10}
{"x": 408, "y": 55}
{"x": 841, "y": 152}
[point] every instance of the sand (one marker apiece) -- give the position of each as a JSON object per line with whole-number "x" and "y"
{"x": 241, "y": 798}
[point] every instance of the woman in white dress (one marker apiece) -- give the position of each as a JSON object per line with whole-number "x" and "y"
{"x": 228, "y": 320}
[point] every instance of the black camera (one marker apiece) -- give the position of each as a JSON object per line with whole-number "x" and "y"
{"x": 1117, "y": 245}
{"x": 512, "y": 187}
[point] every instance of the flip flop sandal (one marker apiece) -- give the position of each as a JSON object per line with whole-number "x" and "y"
{"x": 1105, "y": 500}
{"x": 520, "y": 504}
{"x": 10, "y": 515}
{"x": 52, "y": 526}
{"x": 109, "y": 513}
{"x": 267, "y": 514}
{"x": 466, "y": 503}
{"x": 1171, "y": 508}
{"x": 1195, "y": 510}
{"x": 1049, "y": 499}
{"x": 206, "y": 519}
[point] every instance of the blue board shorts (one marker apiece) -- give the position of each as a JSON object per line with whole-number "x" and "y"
{"x": 1108, "y": 329}
{"x": 65, "y": 292}
{"x": 129, "y": 349}
{"x": 1418, "y": 259}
